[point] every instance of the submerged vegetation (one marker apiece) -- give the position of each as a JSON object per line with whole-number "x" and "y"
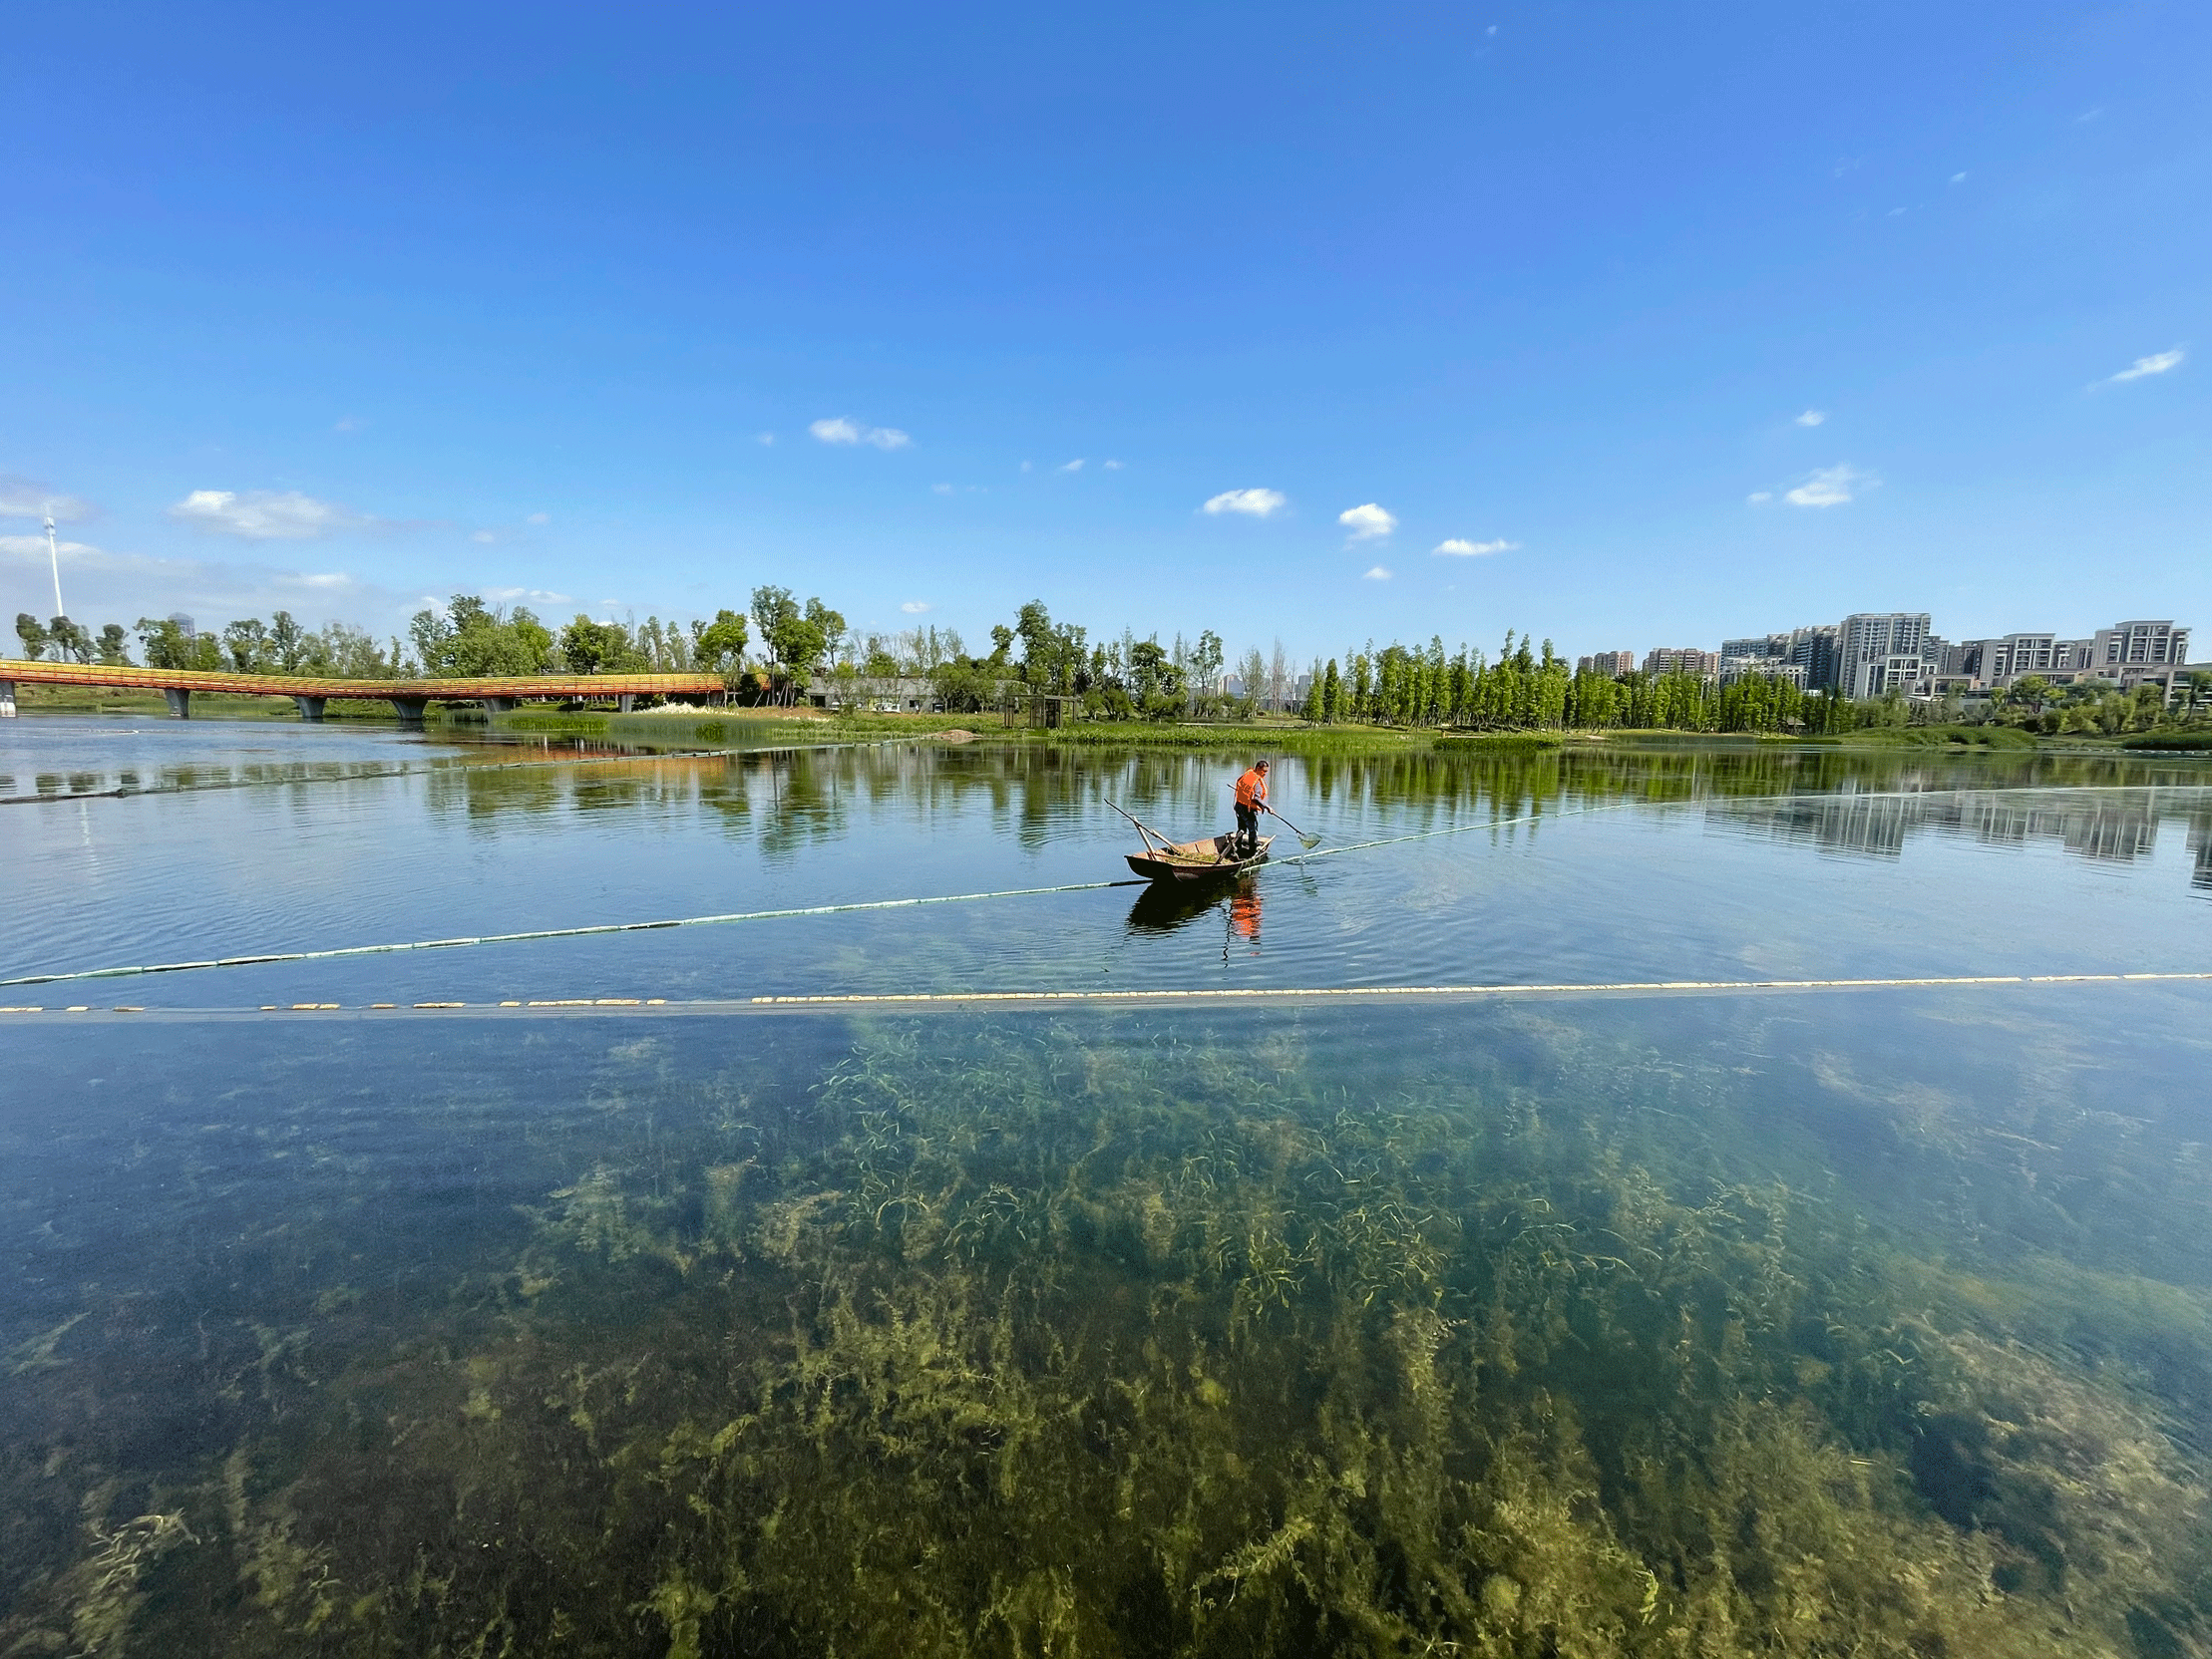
{"x": 1153, "y": 1338}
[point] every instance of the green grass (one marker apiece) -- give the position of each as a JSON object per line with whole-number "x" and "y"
{"x": 2191, "y": 737}
{"x": 1938, "y": 736}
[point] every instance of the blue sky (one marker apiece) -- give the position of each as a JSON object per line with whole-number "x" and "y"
{"x": 1694, "y": 320}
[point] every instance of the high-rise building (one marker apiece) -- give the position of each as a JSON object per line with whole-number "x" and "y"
{"x": 1612, "y": 664}
{"x": 1814, "y": 650}
{"x": 1684, "y": 660}
{"x": 2000, "y": 661}
{"x": 1763, "y": 648}
{"x": 1875, "y": 650}
{"x": 2126, "y": 643}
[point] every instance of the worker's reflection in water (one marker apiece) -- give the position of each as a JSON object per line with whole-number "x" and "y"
{"x": 1243, "y": 914}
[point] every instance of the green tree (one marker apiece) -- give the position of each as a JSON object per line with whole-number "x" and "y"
{"x": 71, "y": 643}
{"x": 114, "y": 646}
{"x": 166, "y": 643}
{"x": 718, "y": 647}
{"x": 248, "y": 643}
{"x": 32, "y": 632}
{"x": 288, "y": 642}
{"x": 590, "y": 647}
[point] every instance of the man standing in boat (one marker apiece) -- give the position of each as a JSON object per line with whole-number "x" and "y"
{"x": 1251, "y": 800}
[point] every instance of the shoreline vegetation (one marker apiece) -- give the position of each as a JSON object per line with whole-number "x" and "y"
{"x": 693, "y": 725}
{"x": 781, "y": 652}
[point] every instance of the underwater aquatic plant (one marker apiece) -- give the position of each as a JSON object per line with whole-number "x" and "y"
{"x": 1147, "y": 1336}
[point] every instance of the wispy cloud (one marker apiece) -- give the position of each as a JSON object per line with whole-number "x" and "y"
{"x": 1459, "y": 548}
{"x": 1811, "y": 417}
{"x": 941, "y": 490}
{"x": 1376, "y": 573}
{"x": 1075, "y": 465}
{"x": 538, "y": 519}
{"x": 348, "y": 423}
{"x": 915, "y": 607}
{"x": 484, "y": 539}
{"x": 839, "y": 430}
{"x": 2144, "y": 367}
{"x": 27, "y": 498}
{"x": 535, "y": 595}
{"x": 1758, "y": 495}
{"x": 265, "y": 514}
{"x": 1958, "y": 178}
{"x": 1830, "y": 486}
{"x": 1367, "y": 522}
{"x": 1113, "y": 465}
{"x": 766, "y": 439}
{"x": 1253, "y": 503}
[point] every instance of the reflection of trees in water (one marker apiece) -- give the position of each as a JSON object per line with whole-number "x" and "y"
{"x": 786, "y": 798}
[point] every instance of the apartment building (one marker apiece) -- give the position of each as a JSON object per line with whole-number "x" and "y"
{"x": 1685, "y": 660}
{"x": 1880, "y": 650}
{"x": 2127, "y": 644}
{"x": 1612, "y": 664}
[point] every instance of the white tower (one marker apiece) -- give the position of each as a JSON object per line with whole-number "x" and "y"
{"x": 55, "y": 553}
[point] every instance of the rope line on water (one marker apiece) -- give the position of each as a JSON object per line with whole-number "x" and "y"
{"x": 268, "y": 957}
{"x": 925, "y": 1000}
{"x": 551, "y": 933}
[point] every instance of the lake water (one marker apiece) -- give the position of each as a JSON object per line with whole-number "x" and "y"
{"x": 1869, "y": 1320}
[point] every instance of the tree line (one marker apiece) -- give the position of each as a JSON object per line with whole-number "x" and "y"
{"x": 780, "y": 645}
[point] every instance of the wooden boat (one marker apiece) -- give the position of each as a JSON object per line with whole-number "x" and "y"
{"x": 1200, "y": 860}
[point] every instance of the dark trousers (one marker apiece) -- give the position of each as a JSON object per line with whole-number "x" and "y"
{"x": 1248, "y": 826}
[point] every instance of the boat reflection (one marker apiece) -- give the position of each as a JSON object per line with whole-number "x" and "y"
{"x": 1165, "y": 907}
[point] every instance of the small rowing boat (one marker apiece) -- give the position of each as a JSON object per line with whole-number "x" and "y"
{"x": 1200, "y": 860}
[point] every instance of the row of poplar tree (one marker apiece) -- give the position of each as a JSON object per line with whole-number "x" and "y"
{"x": 1532, "y": 688}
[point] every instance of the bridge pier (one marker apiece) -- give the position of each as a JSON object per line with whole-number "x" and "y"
{"x": 494, "y": 707}
{"x": 410, "y": 709}
{"x": 7, "y": 699}
{"x": 310, "y": 708}
{"x": 623, "y": 700}
{"x": 179, "y": 702}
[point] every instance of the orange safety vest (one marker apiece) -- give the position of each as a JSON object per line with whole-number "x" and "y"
{"x": 1252, "y": 788}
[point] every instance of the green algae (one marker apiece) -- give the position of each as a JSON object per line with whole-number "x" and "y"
{"x": 1152, "y": 1337}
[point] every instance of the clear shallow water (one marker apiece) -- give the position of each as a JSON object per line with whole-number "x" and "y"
{"x": 1811, "y": 1323}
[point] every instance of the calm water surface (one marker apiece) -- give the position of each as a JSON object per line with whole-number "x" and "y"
{"x": 1853, "y": 1322}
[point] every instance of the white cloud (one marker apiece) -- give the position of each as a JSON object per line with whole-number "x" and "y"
{"x": 2157, "y": 364}
{"x": 1958, "y": 178}
{"x": 1811, "y": 417}
{"x": 24, "y": 549}
{"x": 1757, "y": 495}
{"x": 942, "y": 489}
{"x": 1253, "y": 503}
{"x": 348, "y": 423}
{"x": 23, "y": 498}
{"x": 323, "y": 581}
{"x": 1376, "y": 573}
{"x": 915, "y": 607}
{"x": 264, "y": 515}
{"x": 1459, "y": 548}
{"x": 1075, "y": 465}
{"x": 538, "y": 519}
{"x": 1113, "y": 465}
{"x": 841, "y": 431}
{"x": 1830, "y": 486}
{"x": 1367, "y": 522}
{"x": 485, "y": 537}
{"x": 1026, "y": 466}
{"x": 537, "y": 595}
{"x": 765, "y": 438}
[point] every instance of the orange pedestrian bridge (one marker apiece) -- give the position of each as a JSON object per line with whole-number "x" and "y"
{"x": 410, "y": 699}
